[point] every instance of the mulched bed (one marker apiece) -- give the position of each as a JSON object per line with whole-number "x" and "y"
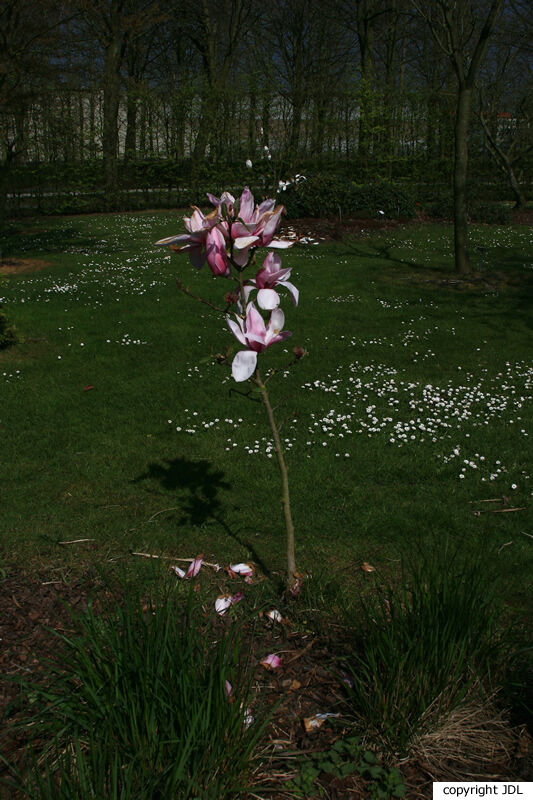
{"x": 303, "y": 687}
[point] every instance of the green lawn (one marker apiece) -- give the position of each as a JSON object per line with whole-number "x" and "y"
{"x": 413, "y": 407}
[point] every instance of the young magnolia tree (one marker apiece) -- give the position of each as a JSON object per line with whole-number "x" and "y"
{"x": 228, "y": 239}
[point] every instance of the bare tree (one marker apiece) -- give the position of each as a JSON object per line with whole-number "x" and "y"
{"x": 504, "y": 99}
{"x": 28, "y": 32}
{"x": 462, "y": 29}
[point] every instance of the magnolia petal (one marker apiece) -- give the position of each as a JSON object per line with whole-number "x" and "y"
{"x": 313, "y": 723}
{"x": 271, "y": 662}
{"x": 255, "y": 324}
{"x": 225, "y": 601}
{"x": 197, "y": 256}
{"x": 247, "y": 203}
{"x": 181, "y": 237}
{"x": 294, "y": 292}
{"x": 243, "y": 365}
{"x": 265, "y": 206}
{"x": 247, "y": 292}
{"x": 216, "y": 255}
{"x": 236, "y": 330}
{"x": 194, "y": 568}
{"x": 222, "y": 603}
{"x": 268, "y": 299}
{"x": 274, "y": 615}
{"x": 227, "y": 198}
{"x": 244, "y": 242}
{"x": 228, "y": 688}
{"x": 280, "y": 244}
{"x": 240, "y": 257}
{"x": 269, "y": 224}
{"x": 179, "y": 572}
{"x": 277, "y": 320}
{"x": 242, "y": 569}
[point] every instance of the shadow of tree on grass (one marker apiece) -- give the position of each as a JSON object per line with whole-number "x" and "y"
{"x": 197, "y": 486}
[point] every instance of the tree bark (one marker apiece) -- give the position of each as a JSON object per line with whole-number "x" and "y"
{"x": 130, "y": 142}
{"x": 113, "y": 59}
{"x": 460, "y": 171}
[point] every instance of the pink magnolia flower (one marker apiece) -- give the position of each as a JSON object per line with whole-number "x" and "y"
{"x": 271, "y": 274}
{"x": 193, "y": 242}
{"x": 257, "y": 336}
{"x": 225, "y": 199}
{"x": 216, "y": 254}
{"x": 255, "y": 226}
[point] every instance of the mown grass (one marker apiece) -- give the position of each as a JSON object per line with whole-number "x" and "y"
{"x": 408, "y": 386}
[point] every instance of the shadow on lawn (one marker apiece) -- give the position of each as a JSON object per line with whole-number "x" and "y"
{"x": 498, "y": 270}
{"x": 22, "y": 238}
{"x": 198, "y": 483}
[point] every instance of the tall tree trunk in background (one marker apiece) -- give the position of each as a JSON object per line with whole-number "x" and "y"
{"x": 463, "y": 38}
{"x": 208, "y": 115}
{"x": 298, "y": 101}
{"x": 460, "y": 171}
{"x": 92, "y": 121}
{"x": 365, "y": 35}
{"x": 252, "y": 112}
{"x": 5, "y": 170}
{"x": 81, "y": 126}
{"x": 112, "y": 64}
{"x": 130, "y": 141}
{"x": 504, "y": 162}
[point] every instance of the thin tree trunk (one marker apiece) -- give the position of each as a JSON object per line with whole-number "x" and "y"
{"x": 460, "y": 215}
{"x": 505, "y": 164}
{"x": 110, "y": 132}
{"x": 130, "y": 142}
{"x": 285, "y": 498}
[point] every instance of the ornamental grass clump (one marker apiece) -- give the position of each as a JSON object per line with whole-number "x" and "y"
{"x": 423, "y": 648}
{"x": 143, "y": 701}
{"x": 228, "y": 239}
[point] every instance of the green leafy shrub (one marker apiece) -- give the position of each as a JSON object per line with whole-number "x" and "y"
{"x": 63, "y": 204}
{"x": 439, "y": 204}
{"x": 491, "y": 213}
{"x": 324, "y": 195}
{"x": 136, "y": 706}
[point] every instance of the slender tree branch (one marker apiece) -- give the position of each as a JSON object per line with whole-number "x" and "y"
{"x": 187, "y": 291}
{"x": 285, "y": 498}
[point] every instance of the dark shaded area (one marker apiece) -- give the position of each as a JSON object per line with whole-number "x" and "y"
{"x": 197, "y": 485}
{"x": 19, "y": 240}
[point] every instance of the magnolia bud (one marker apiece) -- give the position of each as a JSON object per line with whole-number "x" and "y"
{"x": 299, "y": 352}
